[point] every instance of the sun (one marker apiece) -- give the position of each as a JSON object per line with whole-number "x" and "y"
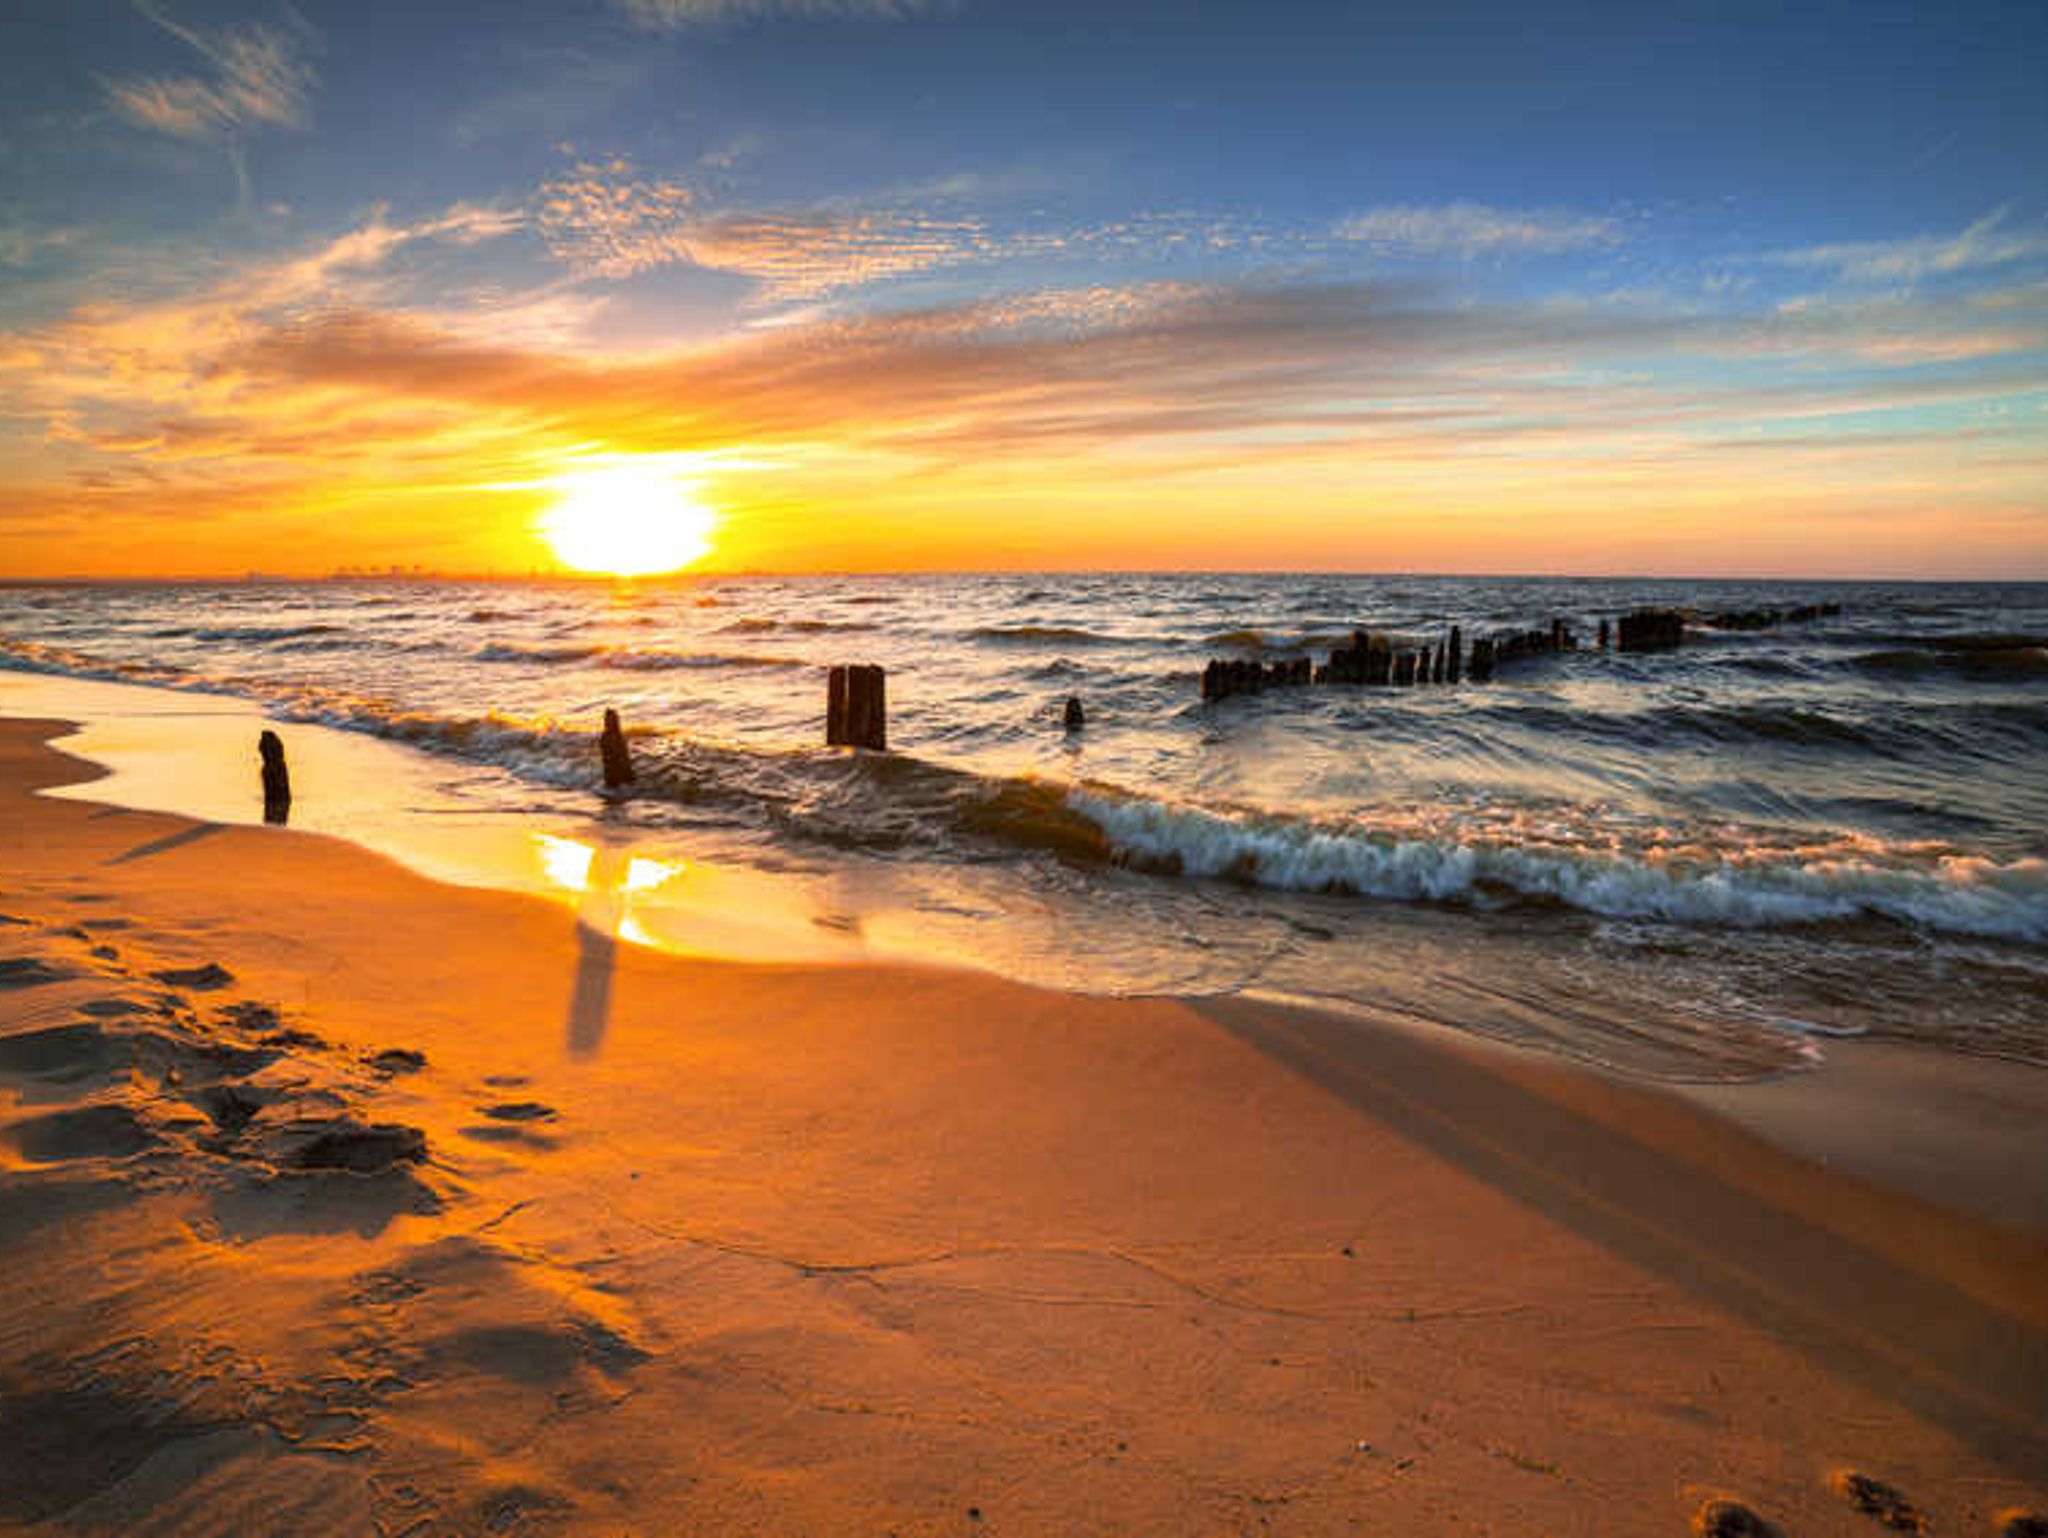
{"x": 627, "y": 521}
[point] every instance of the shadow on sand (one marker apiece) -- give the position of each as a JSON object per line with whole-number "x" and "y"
{"x": 1906, "y": 1334}
{"x": 168, "y": 842}
{"x": 597, "y": 947}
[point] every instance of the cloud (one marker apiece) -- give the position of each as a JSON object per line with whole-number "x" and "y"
{"x": 668, "y": 15}
{"x": 808, "y": 255}
{"x": 1983, "y": 244}
{"x": 111, "y": 373}
{"x": 1475, "y": 230}
{"x": 258, "y": 77}
{"x": 607, "y": 220}
{"x": 23, "y": 247}
{"x": 312, "y": 380}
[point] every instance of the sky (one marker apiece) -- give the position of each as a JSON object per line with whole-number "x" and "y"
{"x": 1716, "y": 288}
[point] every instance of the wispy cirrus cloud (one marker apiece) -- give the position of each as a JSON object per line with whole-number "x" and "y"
{"x": 1477, "y": 230}
{"x": 667, "y": 15}
{"x": 608, "y": 220}
{"x": 257, "y": 77}
{"x": 1986, "y": 243}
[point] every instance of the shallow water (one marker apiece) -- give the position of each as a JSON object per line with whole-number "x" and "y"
{"x": 1695, "y": 864}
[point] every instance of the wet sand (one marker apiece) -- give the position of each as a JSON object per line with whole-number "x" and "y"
{"x": 335, "y": 1200}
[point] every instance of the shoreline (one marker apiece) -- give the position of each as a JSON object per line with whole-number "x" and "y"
{"x": 896, "y": 1242}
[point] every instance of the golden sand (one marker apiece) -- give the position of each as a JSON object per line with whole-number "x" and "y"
{"x": 336, "y": 1200}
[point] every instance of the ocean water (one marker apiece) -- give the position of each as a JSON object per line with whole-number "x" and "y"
{"x": 1695, "y": 864}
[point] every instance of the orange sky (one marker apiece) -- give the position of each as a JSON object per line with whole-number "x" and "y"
{"x": 282, "y": 420}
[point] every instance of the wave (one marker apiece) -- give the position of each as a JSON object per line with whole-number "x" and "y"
{"x": 498, "y": 651}
{"x": 2021, "y": 661}
{"x": 1031, "y": 633}
{"x": 760, "y": 625}
{"x": 630, "y": 658}
{"x": 254, "y": 633}
{"x": 661, "y": 661}
{"x": 1517, "y": 856}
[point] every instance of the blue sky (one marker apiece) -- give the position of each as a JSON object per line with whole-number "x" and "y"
{"x": 1674, "y": 261}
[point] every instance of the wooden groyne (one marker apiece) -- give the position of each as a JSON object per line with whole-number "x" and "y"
{"x": 1376, "y": 659}
{"x": 1379, "y": 659}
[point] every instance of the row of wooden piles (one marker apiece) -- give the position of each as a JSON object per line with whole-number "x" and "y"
{"x": 1379, "y": 660}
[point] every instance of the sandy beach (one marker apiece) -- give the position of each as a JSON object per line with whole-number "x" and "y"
{"x": 335, "y": 1200}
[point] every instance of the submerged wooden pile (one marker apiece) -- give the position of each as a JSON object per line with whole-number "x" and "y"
{"x": 1770, "y": 619}
{"x": 1649, "y": 630}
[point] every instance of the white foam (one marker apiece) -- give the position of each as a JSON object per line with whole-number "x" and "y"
{"x": 1723, "y": 880}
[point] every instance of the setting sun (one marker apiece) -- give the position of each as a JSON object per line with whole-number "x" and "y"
{"x": 628, "y": 521}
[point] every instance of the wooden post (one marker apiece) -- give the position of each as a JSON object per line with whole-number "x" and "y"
{"x": 1649, "y": 630}
{"x": 1456, "y": 667}
{"x": 856, "y": 708}
{"x": 835, "y": 708}
{"x": 277, "y": 780}
{"x": 1603, "y": 635}
{"x": 618, "y": 759}
{"x": 1074, "y": 717}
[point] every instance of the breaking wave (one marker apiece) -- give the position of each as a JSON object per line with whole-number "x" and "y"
{"x": 1749, "y": 881}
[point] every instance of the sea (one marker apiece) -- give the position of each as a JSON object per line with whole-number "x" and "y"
{"x": 1702, "y": 864}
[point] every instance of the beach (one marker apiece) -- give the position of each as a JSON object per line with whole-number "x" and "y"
{"x": 336, "y": 1199}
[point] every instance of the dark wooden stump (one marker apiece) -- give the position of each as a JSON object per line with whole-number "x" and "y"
{"x": 856, "y": 708}
{"x": 1073, "y": 716}
{"x": 1650, "y": 630}
{"x": 277, "y": 779}
{"x": 1455, "y": 668}
{"x": 618, "y": 758}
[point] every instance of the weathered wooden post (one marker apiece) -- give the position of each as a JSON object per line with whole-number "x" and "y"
{"x": 277, "y": 780}
{"x": 856, "y": 708}
{"x": 1603, "y": 635}
{"x": 1560, "y": 637}
{"x": 1650, "y": 630}
{"x": 1456, "y": 666}
{"x": 618, "y": 759}
{"x": 1073, "y": 716}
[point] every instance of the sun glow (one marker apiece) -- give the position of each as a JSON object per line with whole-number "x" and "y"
{"x": 628, "y": 521}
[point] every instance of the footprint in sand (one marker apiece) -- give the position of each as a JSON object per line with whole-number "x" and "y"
{"x": 113, "y": 1007}
{"x": 90, "y": 1132}
{"x": 358, "y": 1148}
{"x": 396, "y": 1060}
{"x": 1732, "y": 1519}
{"x": 30, "y": 972}
{"x": 1879, "y": 1501}
{"x": 230, "y": 1107}
{"x": 512, "y": 1121}
{"x": 520, "y": 1110}
{"x": 205, "y": 979}
{"x": 65, "y": 1053}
